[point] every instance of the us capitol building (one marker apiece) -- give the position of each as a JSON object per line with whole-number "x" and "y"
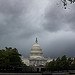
{"x": 36, "y": 56}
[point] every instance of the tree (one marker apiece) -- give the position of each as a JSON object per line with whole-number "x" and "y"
{"x": 73, "y": 64}
{"x": 10, "y": 60}
{"x": 58, "y": 64}
{"x": 65, "y": 2}
{"x": 62, "y": 63}
{"x": 50, "y": 66}
{"x": 69, "y": 61}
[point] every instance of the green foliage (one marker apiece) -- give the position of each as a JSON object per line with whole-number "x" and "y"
{"x": 73, "y": 64}
{"x": 58, "y": 64}
{"x": 10, "y": 59}
{"x": 62, "y": 63}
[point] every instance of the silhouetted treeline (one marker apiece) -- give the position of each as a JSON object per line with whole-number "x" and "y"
{"x": 10, "y": 61}
{"x": 62, "y": 63}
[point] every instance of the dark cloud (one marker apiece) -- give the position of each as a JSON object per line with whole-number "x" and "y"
{"x": 57, "y": 18}
{"x": 11, "y": 18}
{"x": 58, "y": 44}
{"x": 21, "y": 21}
{"x": 61, "y": 46}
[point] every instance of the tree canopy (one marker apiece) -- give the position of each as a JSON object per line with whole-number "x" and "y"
{"x": 10, "y": 60}
{"x": 62, "y": 63}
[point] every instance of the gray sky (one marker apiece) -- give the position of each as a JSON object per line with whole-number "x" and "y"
{"x": 21, "y": 21}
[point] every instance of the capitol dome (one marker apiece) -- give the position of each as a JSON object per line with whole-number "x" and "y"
{"x": 36, "y": 51}
{"x": 36, "y": 57}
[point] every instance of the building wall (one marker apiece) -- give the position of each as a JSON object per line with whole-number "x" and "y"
{"x": 36, "y": 62}
{"x": 25, "y": 61}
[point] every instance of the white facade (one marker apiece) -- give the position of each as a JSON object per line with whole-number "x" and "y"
{"x": 25, "y": 61}
{"x": 36, "y": 51}
{"x": 36, "y": 56}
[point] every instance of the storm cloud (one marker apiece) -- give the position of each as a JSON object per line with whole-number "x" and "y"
{"x": 22, "y": 21}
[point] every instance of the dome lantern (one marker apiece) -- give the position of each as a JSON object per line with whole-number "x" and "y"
{"x": 36, "y": 40}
